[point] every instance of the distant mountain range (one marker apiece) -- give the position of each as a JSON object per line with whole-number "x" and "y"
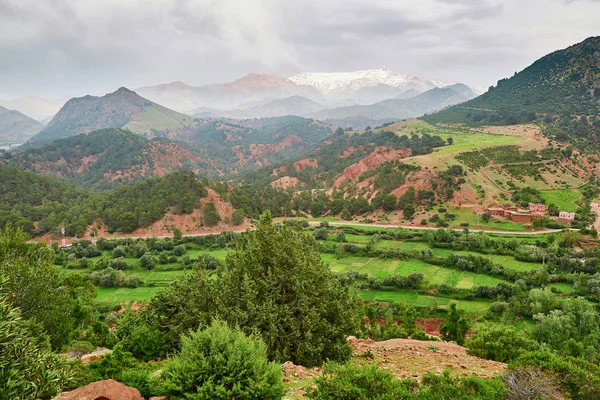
{"x": 330, "y": 90}
{"x": 15, "y": 127}
{"x": 34, "y": 107}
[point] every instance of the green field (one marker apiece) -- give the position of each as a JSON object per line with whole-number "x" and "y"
{"x": 434, "y": 275}
{"x": 462, "y": 139}
{"x": 164, "y": 274}
{"x": 564, "y": 199}
{"x": 419, "y": 300}
{"x": 562, "y": 287}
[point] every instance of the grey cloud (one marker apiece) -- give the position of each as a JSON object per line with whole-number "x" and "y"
{"x": 73, "y": 47}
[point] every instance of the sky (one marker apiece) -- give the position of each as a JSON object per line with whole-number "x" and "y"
{"x": 57, "y": 48}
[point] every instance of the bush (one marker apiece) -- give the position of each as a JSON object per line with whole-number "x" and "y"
{"x": 28, "y": 370}
{"x": 340, "y": 236}
{"x": 78, "y": 348}
{"x": 238, "y": 217}
{"x": 147, "y": 261}
{"x": 119, "y": 251}
{"x": 133, "y": 281}
{"x": 320, "y": 234}
{"x": 221, "y": 363}
{"x": 145, "y": 342}
{"x": 353, "y": 382}
{"x": 498, "y": 342}
{"x": 141, "y": 380}
{"x": 577, "y": 378}
{"x": 530, "y": 383}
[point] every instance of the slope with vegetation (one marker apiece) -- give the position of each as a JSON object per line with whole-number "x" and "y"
{"x": 105, "y": 158}
{"x": 16, "y": 128}
{"x": 121, "y": 109}
{"x": 560, "y": 91}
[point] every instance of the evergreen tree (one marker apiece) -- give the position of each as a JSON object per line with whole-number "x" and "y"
{"x": 276, "y": 284}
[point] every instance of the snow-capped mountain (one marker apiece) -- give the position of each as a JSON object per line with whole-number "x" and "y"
{"x": 330, "y": 83}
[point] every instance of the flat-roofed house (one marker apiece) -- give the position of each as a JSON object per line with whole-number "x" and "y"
{"x": 566, "y": 217}
{"x": 538, "y": 208}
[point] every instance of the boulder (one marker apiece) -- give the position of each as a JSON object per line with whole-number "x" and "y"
{"x": 102, "y": 390}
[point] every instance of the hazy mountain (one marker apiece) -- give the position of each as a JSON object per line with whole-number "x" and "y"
{"x": 16, "y": 127}
{"x": 396, "y": 109}
{"x": 560, "y": 91}
{"x": 227, "y": 96}
{"x": 294, "y": 105}
{"x": 121, "y": 109}
{"x": 34, "y": 107}
{"x": 332, "y": 83}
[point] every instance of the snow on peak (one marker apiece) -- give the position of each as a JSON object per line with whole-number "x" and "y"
{"x": 328, "y": 82}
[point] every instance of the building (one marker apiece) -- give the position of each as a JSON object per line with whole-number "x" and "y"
{"x": 566, "y": 217}
{"x": 497, "y": 211}
{"x": 520, "y": 217}
{"x": 538, "y": 208}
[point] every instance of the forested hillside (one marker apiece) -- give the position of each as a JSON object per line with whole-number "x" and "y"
{"x": 350, "y": 173}
{"x": 560, "y": 91}
{"x": 41, "y": 205}
{"x": 106, "y": 158}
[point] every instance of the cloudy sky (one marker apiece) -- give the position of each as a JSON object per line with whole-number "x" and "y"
{"x": 54, "y": 48}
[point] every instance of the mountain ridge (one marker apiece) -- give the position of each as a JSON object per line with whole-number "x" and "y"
{"x": 16, "y": 127}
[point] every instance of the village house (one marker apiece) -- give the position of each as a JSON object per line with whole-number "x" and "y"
{"x": 566, "y": 217}
{"x": 538, "y": 208}
{"x": 521, "y": 217}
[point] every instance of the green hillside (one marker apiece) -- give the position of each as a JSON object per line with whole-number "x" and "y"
{"x": 41, "y": 205}
{"x": 103, "y": 158}
{"x": 15, "y": 127}
{"x": 560, "y": 91}
{"x": 121, "y": 109}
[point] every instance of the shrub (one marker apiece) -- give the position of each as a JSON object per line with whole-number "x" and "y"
{"x": 145, "y": 342}
{"x": 340, "y": 236}
{"x": 456, "y": 327}
{"x": 117, "y": 263}
{"x": 221, "y": 363}
{"x": 78, "y": 348}
{"x": 141, "y": 380}
{"x": 147, "y": 261}
{"x": 320, "y": 234}
{"x": 530, "y": 383}
{"x": 353, "y": 382}
{"x": 577, "y": 378}
{"x": 133, "y": 281}
{"x": 238, "y": 217}
{"x": 498, "y": 342}
{"x": 266, "y": 292}
{"x": 119, "y": 251}
{"x": 28, "y": 370}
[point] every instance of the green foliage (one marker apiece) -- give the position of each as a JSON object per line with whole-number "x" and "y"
{"x": 320, "y": 234}
{"x": 28, "y": 370}
{"x": 499, "y": 342}
{"x": 221, "y": 363}
{"x": 556, "y": 90}
{"x": 276, "y": 284}
{"x": 35, "y": 286}
{"x": 352, "y": 382}
{"x": 147, "y": 261}
{"x": 211, "y": 216}
{"x": 456, "y": 327}
{"x": 26, "y": 198}
{"x": 177, "y": 235}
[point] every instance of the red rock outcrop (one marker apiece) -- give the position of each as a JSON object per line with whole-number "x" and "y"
{"x": 104, "y": 390}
